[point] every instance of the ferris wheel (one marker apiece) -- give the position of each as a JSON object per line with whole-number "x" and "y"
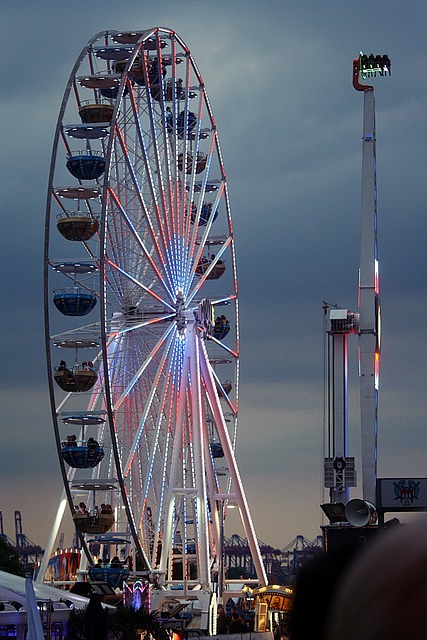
{"x": 141, "y": 310}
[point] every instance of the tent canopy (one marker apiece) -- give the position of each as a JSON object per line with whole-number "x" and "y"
{"x": 13, "y": 588}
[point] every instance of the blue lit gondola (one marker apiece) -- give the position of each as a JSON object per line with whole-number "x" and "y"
{"x": 82, "y": 456}
{"x": 113, "y": 576}
{"x": 220, "y": 334}
{"x": 221, "y": 328}
{"x": 205, "y": 214}
{"x": 217, "y": 450}
{"x": 74, "y": 303}
{"x": 87, "y": 131}
{"x": 86, "y": 166}
{"x": 184, "y": 123}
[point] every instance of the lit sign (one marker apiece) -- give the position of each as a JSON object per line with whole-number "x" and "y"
{"x": 275, "y": 597}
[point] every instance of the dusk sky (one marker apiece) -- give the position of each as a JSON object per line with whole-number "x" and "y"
{"x": 279, "y": 77}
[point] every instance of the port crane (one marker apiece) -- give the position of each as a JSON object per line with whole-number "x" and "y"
{"x": 29, "y": 553}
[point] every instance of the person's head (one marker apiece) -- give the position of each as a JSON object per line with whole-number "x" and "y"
{"x": 383, "y": 594}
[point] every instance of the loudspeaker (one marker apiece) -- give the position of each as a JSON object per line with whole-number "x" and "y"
{"x": 360, "y": 513}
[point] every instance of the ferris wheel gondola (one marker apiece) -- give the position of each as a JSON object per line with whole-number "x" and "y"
{"x": 162, "y": 372}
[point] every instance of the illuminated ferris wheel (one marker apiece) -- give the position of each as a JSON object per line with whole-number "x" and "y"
{"x": 141, "y": 307}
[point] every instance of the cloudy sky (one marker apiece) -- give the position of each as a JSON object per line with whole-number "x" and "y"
{"x": 278, "y": 74}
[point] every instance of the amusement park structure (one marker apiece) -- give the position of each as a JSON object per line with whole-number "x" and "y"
{"x": 340, "y": 472}
{"x": 141, "y": 296}
{"x": 142, "y": 327}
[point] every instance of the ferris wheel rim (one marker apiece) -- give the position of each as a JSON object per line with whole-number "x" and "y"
{"x": 194, "y": 186}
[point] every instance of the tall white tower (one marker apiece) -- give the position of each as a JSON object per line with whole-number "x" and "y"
{"x": 369, "y": 290}
{"x": 339, "y": 467}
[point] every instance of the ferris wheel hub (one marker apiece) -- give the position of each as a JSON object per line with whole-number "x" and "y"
{"x": 181, "y": 316}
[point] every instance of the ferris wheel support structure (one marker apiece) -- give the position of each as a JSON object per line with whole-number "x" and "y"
{"x": 196, "y": 360}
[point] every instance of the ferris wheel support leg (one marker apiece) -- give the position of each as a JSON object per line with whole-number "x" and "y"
{"x": 238, "y": 490}
{"x": 211, "y": 491}
{"x": 168, "y": 522}
{"x": 52, "y": 537}
{"x": 198, "y": 444}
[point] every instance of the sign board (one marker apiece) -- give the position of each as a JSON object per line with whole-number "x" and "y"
{"x": 402, "y": 494}
{"x": 275, "y": 597}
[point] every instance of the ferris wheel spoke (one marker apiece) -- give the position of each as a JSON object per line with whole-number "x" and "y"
{"x": 96, "y": 395}
{"x": 146, "y": 323}
{"x": 209, "y": 270}
{"x": 140, "y": 242}
{"x": 223, "y": 392}
{"x": 143, "y": 367}
{"x": 166, "y": 412}
{"x": 167, "y": 165}
{"x": 140, "y": 285}
{"x": 137, "y": 188}
{"x": 148, "y": 406}
{"x": 224, "y": 346}
{"x": 208, "y": 227}
{"x": 159, "y": 214}
{"x": 156, "y": 129}
{"x": 93, "y": 328}
{"x": 156, "y": 483}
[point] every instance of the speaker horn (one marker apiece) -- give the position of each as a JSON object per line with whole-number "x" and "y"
{"x": 359, "y": 513}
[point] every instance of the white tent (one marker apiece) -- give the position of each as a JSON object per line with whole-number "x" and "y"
{"x": 13, "y": 588}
